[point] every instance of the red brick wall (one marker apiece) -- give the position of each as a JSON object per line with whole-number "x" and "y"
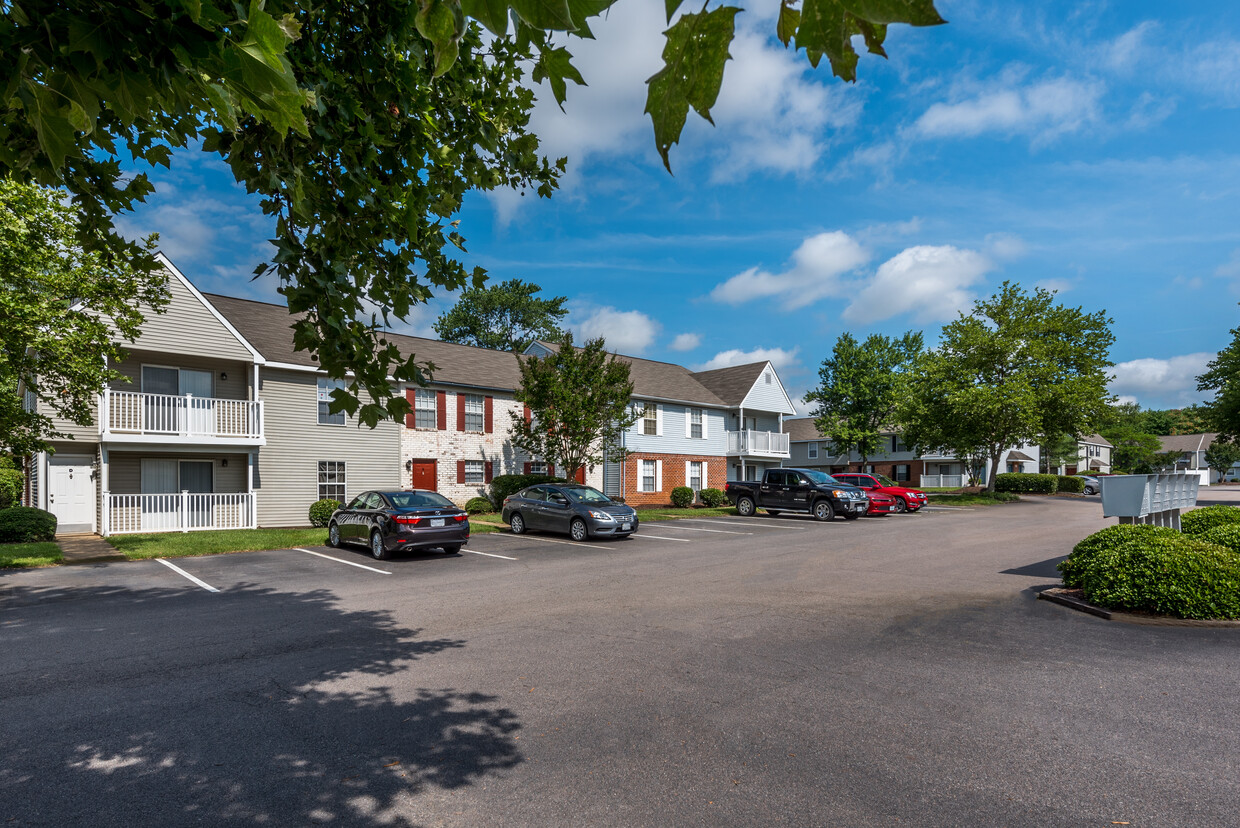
{"x": 673, "y": 476}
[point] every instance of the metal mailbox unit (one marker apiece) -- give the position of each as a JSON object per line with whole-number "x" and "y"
{"x": 1156, "y": 499}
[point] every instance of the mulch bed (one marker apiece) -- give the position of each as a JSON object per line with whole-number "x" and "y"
{"x": 1075, "y": 599}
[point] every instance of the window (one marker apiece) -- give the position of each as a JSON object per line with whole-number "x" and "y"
{"x": 650, "y": 473}
{"x": 326, "y": 386}
{"x": 695, "y": 423}
{"x": 331, "y": 480}
{"x": 768, "y": 377}
{"x": 424, "y": 412}
{"x": 903, "y": 472}
{"x": 650, "y": 420}
{"x": 869, "y": 468}
{"x": 695, "y": 476}
{"x": 473, "y": 416}
{"x": 538, "y": 468}
{"x": 897, "y": 443}
{"x": 475, "y": 470}
{"x": 813, "y": 451}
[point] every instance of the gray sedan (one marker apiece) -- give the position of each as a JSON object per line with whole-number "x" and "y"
{"x": 580, "y": 511}
{"x": 1092, "y": 486}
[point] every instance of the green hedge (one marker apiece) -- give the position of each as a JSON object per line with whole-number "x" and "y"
{"x": 1086, "y": 554}
{"x": 1226, "y": 535}
{"x": 509, "y": 484}
{"x": 478, "y": 505}
{"x": 1176, "y": 575}
{"x": 321, "y": 511}
{"x": 682, "y": 497}
{"x": 1026, "y": 483}
{"x": 713, "y": 498}
{"x": 1200, "y": 521}
{"x": 1069, "y": 483}
{"x": 10, "y": 488}
{"x": 25, "y": 524}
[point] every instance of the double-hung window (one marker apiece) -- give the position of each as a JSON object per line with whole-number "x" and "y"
{"x": 475, "y": 471}
{"x": 649, "y": 476}
{"x": 650, "y": 419}
{"x": 695, "y": 423}
{"x": 332, "y": 480}
{"x": 538, "y": 467}
{"x": 473, "y": 412}
{"x": 813, "y": 451}
{"x": 424, "y": 411}
{"x": 326, "y": 417}
{"x": 695, "y": 475}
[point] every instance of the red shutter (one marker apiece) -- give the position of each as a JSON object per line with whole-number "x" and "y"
{"x": 460, "y": 471}
{"x": 527, "y": 469}
{"x": 460, "y": 412}
{"x": 551, "y": 470}
{"x": 488, "y": 477}
{"x": 441, "y": 410}
{"x": 487, "y": 408}
{"x": 580, "y": 476}
{"x": 528, "y": 416}
{"x": 410, "y": 397}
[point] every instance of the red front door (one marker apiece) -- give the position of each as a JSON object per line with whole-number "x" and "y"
{"x": 424, "y": 475}
{"x": 580, "y": 475}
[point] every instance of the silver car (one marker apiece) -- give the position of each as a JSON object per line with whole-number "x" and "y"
{"x": 1092, "y": 486}
{"x": 579, "y": 511}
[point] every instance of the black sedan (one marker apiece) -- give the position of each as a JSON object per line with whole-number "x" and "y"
{"x": 388, "y": 521}
{"x": 580, "y": 511}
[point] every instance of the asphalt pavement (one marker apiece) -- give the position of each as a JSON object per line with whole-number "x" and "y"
{"x": 718, "y": 672}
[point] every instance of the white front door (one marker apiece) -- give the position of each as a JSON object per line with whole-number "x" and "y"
{"x": 198, "y": 385}
{"x": 71, "y": 494}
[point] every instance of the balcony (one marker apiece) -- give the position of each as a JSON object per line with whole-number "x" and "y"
{"x": 758, "y": 443}
{"x": 176, "y": 512}
{"x": 938, "y": 455}
{"x": 134, "y": 417}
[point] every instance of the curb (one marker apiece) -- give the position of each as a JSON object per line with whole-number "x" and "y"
{"x": 1062, "y": 597}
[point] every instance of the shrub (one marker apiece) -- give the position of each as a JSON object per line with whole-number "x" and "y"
{"x": 682, "y": 497}
{"x": 1176, "y": 575}
{"x": 321, "y": 511}
{"x": 478, "y": 505}
{"x": 10, "y": 487}
{"x": 1226, "y": 535}
{"x": 1200, "y": 521}
{"x": 713, "y": 498}
{"x": 509, "y": 484}
{"x": 1069, "y": 483}
{"x": 25, "y": 524}
{"x": 1085, "y": 553}
{"x": 1030, "y": 483}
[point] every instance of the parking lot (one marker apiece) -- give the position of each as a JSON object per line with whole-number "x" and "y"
{"x": 720, "y": 671}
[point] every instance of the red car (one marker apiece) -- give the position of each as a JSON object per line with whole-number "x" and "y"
{"x": 907, "y": 499}
{"x": 880, "y": 504}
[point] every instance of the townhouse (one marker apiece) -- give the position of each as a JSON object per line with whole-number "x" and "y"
{"x": 1093, "y": 457}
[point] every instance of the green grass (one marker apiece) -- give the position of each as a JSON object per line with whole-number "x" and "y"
{"x": 961, "y": 500}
{"x": 672, "y": 513}
{"x": 14, "y": 555}
{"x": 216, "y": 542}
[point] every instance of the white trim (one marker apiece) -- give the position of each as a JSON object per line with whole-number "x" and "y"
{"x": 705, "y": 475}
{"x": 688, "y": 422}
{"x": 705, "y": 428}
{"x": 687, "y": 462}
{"x": 171, "y": 268}
{"x": 658, "y": 421}
{"x": 658, "y": 475}
{"x": 769, "y": 367}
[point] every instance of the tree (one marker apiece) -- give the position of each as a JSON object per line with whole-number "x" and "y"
{"x": 860, "y": 386}
{"x": 1016, "y": 369}
{"x": 1059, "y": 450}
{"x": 360, "y": 126}
{"x": 62, "y": 310}
{"x": 504, "y": 317}
{"x": 1222, "y": 376}
{"x": 1133, "y": 448}
{"x": 579, "y": 404}
{"x": 1221, "y": 456}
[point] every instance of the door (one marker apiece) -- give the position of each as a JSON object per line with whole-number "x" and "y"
{"x": 71, "y": 494}
{"x": 797, "y": 491}
{"x": 532, "y": 510}
{"x": 771, "y": 490}
{"x": 425, "y": 475}
{"x": 556, "y": 512}
{"x": 161, "y": 412}
{"x": 161, "y": 502}
{"x": 196, "y": 478}
{"x": 580, "y": 475}
{"x": 201, "y": 414}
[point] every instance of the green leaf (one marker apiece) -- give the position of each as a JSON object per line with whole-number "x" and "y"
{"x": 55, "y": 133}
{"x": 672, "y": 6}
{"x": 545, "y": 14}
{"x": 693, "y": 61}
{"x": 437, "y": 22}
{"x": 786, "y": 26}
{"x": 583, "y": 10}
{"x": 555, "y": 67}
{"x": 825, "y": 30}
{"x": 913, "y": 12}
{"x": 490, "y": 13}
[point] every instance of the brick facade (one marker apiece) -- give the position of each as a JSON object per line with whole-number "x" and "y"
{"x": 673, "y": 474}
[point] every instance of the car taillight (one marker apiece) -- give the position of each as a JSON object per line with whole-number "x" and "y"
{"x": 458, "y": 518}
{"x": 409, "y": 521}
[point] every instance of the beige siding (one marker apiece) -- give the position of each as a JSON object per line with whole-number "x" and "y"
{"x": 125, "y": 470}
{"x": 84, "y": 437}
{"x": 286, "y": 476}
{"x": 188, "y": 327}
{"x": 230, "y": 378}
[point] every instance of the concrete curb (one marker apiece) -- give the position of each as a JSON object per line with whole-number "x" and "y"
{"x": 1063, "y": 597}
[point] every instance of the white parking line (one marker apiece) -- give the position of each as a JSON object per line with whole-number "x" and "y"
{"x": 656, "y": 537}
{"x": 537, "y": 539}
{"x": 338, "y": 560}
{"x": 181, "y": 571}
{"x": 730, "y": 522}
{"x": 700, "y": 529}
{"x": 488, "y": 554}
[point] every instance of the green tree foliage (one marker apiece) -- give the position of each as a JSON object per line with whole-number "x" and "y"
{"x": 62, "y": 310}
{"x": 1017, "y": 368}
{"x": 360, "y": 126}
{"x": 579, "y": 401}
{"x": 1134, "y": 448}
{"x": 505, "y": 317}
{"x": 1059, "y": 450}
{"x": 1190, "y": 420}
{"x": 860, "y": 387}
{"x": 1221, "y": 456}
{"x": 1222, "y": 376}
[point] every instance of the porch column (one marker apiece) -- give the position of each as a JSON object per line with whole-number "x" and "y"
{"x": 105, "y": 517}
{"x": 249, "y": 484}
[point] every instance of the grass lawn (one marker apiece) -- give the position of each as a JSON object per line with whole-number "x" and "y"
{"x": 962, "y": 500}
{"x": 29, "y": 554}
{"x": 182, "y": 544}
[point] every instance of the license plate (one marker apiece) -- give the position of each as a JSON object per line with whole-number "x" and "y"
{"x": 437, "y": 521}
{"x": 624, "y": 527}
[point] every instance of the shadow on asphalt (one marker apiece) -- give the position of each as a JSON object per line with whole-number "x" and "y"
{"x": 1041, "y": 569}
{"x": 284, "y": 709}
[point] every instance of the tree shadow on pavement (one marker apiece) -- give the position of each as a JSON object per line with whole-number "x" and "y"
{"x": 253, "y": 706}
{"x": 1041, "y": 569}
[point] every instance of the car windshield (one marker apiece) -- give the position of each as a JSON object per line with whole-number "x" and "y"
{"x": 885, "y": 480}
{"x": 821, "y": 478}
{"x": 414, "y": 500}
{"x": 585, "y": 494}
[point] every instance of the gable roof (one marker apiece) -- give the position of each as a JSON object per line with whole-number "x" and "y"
{"x": 802, "y": 430}
{"x": 1188, "y": 442}
{"x": 733, "y": 383}
{"x": 660, "y": 380}
{"x": 1096, "y": 440}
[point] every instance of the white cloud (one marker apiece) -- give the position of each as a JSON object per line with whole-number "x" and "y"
{"x": 1161, "y": 383}
{"x": 930, "y": 281}
{"x": 817, "y": 267}
{"x": 1042, "y": 109}
{"x": 686, "y": 342}
{"x": 1006, "y": 246}
{"x": 782, "y": 359}
{"x": 626, "y": 332}
{"x": 1230, "y": 269}
{"x": 1056, "y": 285}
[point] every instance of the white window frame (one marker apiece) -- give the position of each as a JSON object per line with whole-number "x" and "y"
{"x": 475, "y": 409}
{"x": 426, "y": 402}
{"x": 657, "y": 479}
{"x": 700, "y": 413}
{"x": 689, "y": 464}
{"x": 538, "y": 467}
{"x": 475, "y": 471}
{"x": 324, "y": 387}
{"x": 813, "y": 451}
{"x": 333, "y": 468}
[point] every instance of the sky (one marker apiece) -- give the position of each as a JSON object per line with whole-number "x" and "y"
{"x": 1089, "y": 148}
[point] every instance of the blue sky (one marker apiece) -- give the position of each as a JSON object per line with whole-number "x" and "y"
{"x": 1086, "y": 147}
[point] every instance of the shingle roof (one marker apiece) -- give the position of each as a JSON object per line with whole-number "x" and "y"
{"x": 1017, "y": 456}
{"x": 663, "y": 380}
{"x": 733, "y": 383}
{"x": 1188, "y": 442}
{"x": 801, "y": 430}
{"x": 1096, "y": 440}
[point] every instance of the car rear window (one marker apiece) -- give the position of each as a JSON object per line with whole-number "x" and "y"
{"x": 414, "y": 500}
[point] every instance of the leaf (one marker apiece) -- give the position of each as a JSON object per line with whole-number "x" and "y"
{"x": 55, "y": 133}
{"x": 913, "y": 12}
{"x": 786, "y": 26}
{"x": 555, "y": 67}
{"x": 672, "y": 6}
{"x": 490, "y": 13}
{"x": 825, "y": 30}
{"x": 437, "y": 22}
{"x": 693, "y": 61}
{"x": 545, "y": 14}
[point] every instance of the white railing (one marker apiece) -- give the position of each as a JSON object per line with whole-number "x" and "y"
{"x": 769, "y": 443}
{"x": 942, "y": 481}
{"x": 938, "y": 455}
{"x": 177, "y": 512}
{"x": 133, "y": 412}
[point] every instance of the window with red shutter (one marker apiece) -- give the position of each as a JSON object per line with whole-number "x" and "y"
{"x": 410, "y": 397}
{"x": 460, "y": 412}
{"x": 488, "y": 408}
{"x": 460, "y": 471}
{"x": 489, "y": 473}
{"x": 441, "y": 411}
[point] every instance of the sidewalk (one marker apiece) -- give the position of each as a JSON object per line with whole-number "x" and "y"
{"x": 77, "y": 549}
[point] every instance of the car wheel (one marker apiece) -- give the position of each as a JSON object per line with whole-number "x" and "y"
{"x": 333, "y": 536}
{"x": 773, "y": 512}
{"x": 901, "y": 506}
{"x": 823, "y": 510}
{"x": 744, "y": 506}
{"x": 577, "y": 530}
{"x": 516, "y": 523}
{"x": 1090, "y": 491}
{"x": 376, "y": 546}
{"x": 452, "y": 549}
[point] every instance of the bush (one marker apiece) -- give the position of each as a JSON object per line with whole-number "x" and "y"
{"x": 1226, "y": 535}
{"x": 1177, "y": 575}
{"x": 478, "y": 505}
{"x": 1200, "y": 521}
{"x": 10, "y": 487}
{"x": 713, "y": 498}
{"x": 1028, "y": 483}
{"x": 321, "y": 511}
{"x": 1086, "y": 553}
{"x": 509, "y": 484}
{"x": 25, "y": 524}
{"x": 1069, "y": 483}
{"x": 682, "y": 497}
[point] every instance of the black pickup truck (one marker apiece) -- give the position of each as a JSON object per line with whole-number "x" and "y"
{"x": 799, "y": 490}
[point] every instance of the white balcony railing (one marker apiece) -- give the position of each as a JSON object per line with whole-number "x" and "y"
{"x": 942, "y": 481}
{"x": 938, "y": 455}
{"x": 188, "y": 417}
{"x": 763, "y": 443}
{"x": 177, "y": 512}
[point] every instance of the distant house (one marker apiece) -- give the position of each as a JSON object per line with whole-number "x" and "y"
{"x": 1093, "y": 457}
{"x": 1192, "y": 450}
